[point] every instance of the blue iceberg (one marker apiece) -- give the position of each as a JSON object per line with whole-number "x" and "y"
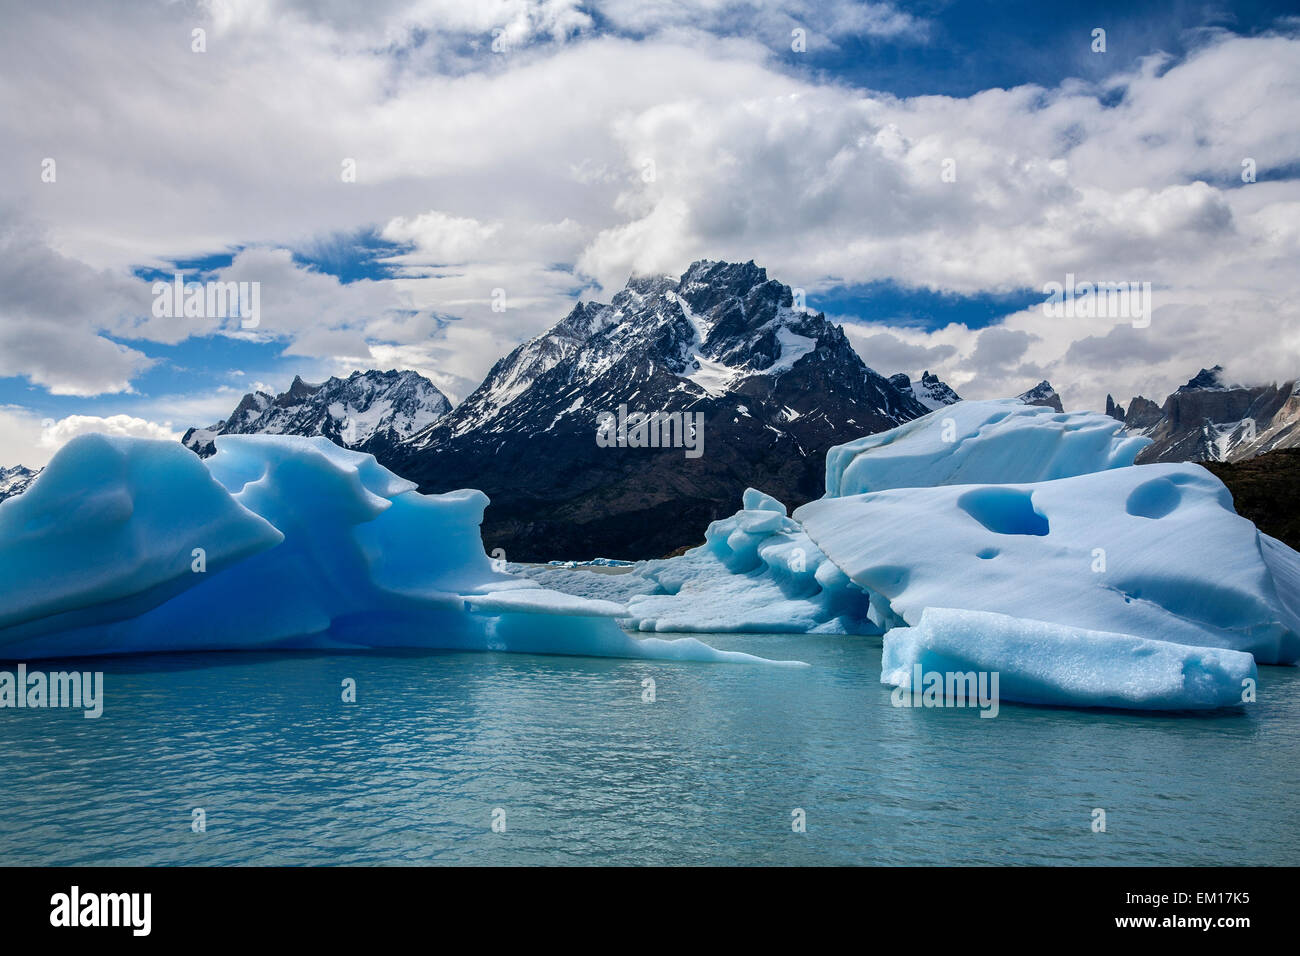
{"x": 1155, "y": 550}
{"x": 993, "y": 442}
{"x": 130, "y": 545}
{"x": 756, "y": 572}
{"x": 1034, "y": 662}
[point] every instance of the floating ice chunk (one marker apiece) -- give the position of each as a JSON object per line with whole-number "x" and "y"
{"x": 981, "y": 443}
{"x": 1154, "y": 550}
{"x": 1042, "y": 663}
{"x": 756, "y": 572}
{"x": 308, "y": 545}
{"x": 755, "y": 500}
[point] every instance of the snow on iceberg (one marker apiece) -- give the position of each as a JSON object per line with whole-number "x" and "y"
{"x": 756, "y": 572}
{"x": 1041, "y": 663}
{"x": 994, "y": 442}
{"x": 129, "y": 545}
{"x": 1154, "y": 550}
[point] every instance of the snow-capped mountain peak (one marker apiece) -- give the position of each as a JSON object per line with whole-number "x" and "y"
{"x": 1209, "y": 419}
{"x": 775, "y": 385}
{"x": 1206, "y": 380}
{"x": 1042, "y": 394}
{"x": 930, "y": 391}
{"x": 14, "y": 480}
{"x": 365, "y": 411}
{"x": 698, "y": 337}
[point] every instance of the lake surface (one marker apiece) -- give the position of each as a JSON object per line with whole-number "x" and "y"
{"x": 588, "y": 773}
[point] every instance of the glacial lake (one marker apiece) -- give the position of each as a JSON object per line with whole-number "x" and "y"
{"x": 581, "y": 770}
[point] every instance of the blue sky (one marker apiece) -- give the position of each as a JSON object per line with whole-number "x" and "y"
{"x": 973, "y": 46}
{"x": 550, "y": 148}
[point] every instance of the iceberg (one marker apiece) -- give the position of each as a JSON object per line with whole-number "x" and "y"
{"x": 111, "y": 529}
{"x": 993, "y": 442}
{"x": 131, "y": 545}
{"x": 1154, "y": 550}
{"x": 1041, "y": 663}
{"x": 1065, "y": 536}
{"x": 756, "y": 572}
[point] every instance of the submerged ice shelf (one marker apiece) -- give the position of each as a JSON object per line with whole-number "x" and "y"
{"x": 131, "y": 545}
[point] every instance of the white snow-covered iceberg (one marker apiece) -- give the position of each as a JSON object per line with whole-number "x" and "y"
{"x": 756, "y": 572}
{"x": 1150, "y": 550}
{"x": 1040, "y": 663}
{"x": 993, "y": 442}
{"x": 128, "y": 545}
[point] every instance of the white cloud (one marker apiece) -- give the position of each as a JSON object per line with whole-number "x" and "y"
{"x": 54, "y": 311}
{"x": 384, "y": 22}
{"x": 56, "y": 434}
{"x": 20, "y": 432}
{"x": 27, "y": 439}
{"x": 443, "y": 238}
{"x": 529, "y": 171}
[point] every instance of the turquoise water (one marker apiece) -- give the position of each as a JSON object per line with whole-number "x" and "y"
{"x": 587, "y": 773}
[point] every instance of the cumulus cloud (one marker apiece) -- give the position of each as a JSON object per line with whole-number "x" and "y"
{"x": 55, "y": 312}
{"x": 56, "y": 434}
{"x": 27, "y": 439}
{"x": 997, "y": 347}
{"x": 555, "y": 168}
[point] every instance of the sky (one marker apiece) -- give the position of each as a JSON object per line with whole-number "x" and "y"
{"x": 387, "y": 172}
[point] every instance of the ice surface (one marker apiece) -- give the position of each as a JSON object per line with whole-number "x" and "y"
{"x": 109, "y": 529}
{"x": 996, "y": 442}
{"x": 1041, "y": 663}
{"x": 756, "y": 572}
{"x": 307, "y": 545}
{"x": 1154, "y": 550}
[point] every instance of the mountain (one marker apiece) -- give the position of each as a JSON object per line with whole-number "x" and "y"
{"x": 930, "y": 392}
{"x": 773, "y": 388}
{"x": 1210, "y": 419}
{"x": 1042, "y": 394}
{"x": 14, "y": 481}
{"x": 367, "y": 411}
